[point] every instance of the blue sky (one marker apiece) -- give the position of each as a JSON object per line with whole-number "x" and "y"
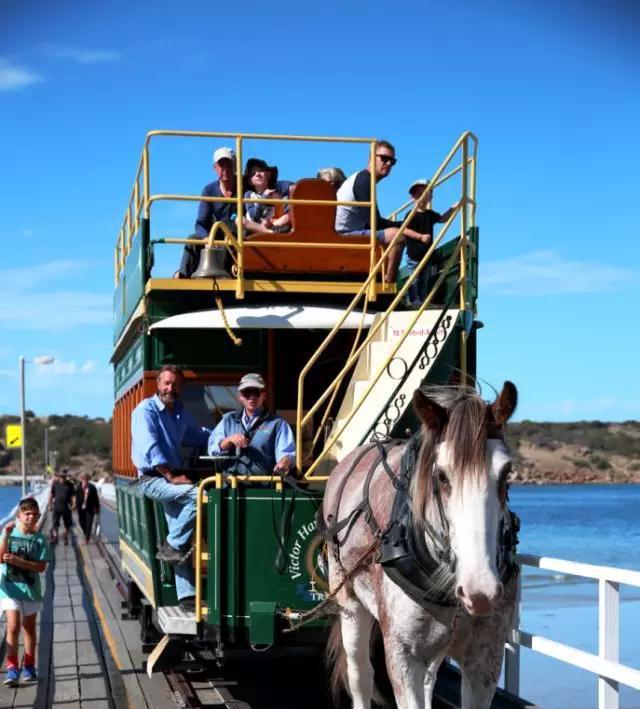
{"x": 551, "y": 90}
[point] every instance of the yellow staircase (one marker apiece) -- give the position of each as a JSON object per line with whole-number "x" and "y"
{"x": 381, "y": 389}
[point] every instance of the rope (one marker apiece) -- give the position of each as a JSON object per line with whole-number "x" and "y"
{"x": 234, "y": 338}
{"x": 319, "y": 610}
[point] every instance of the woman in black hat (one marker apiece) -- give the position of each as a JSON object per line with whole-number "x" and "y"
{"x": 261, "y": 181}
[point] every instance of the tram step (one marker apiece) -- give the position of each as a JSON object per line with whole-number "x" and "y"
{"x": 174, "y": 621}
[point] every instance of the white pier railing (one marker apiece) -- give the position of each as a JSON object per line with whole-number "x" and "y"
{"x": 606, "y": 663}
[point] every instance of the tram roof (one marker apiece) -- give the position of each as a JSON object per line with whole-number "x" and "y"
{"x": 274, "y": 317}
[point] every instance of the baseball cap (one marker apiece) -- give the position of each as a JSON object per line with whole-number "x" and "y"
{"x": 251, "y": 380}
{"x": 222, "y": 153}
{"x": 418, "y": 183}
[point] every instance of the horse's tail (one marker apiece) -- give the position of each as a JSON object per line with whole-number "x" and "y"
{"x": 336, "y": 662}
{"x": 336, "y": 659}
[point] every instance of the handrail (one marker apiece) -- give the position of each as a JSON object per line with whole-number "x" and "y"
{"x": 467, "y": 221}
{"x": 141, "y": 198}
{"x": 606, "y": 664}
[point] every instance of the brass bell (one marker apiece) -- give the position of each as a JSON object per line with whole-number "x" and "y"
{"x": 211, "y": 263}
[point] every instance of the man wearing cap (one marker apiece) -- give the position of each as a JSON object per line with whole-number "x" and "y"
{"x": 160, "y": 425}
{"x": 422, "y": 221}
{"x": 62, "y": 497}
{"x": 355, "y": 221}
{"x": 259, "y": 441}
{"x": 224, "y": 165}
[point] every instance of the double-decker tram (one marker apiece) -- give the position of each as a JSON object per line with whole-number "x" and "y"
{"x": 311, "y": 311}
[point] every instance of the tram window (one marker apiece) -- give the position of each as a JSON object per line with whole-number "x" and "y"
{"x": 208, "y": 402}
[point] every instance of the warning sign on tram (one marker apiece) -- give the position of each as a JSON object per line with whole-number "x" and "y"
{"x": 13, "y": 435}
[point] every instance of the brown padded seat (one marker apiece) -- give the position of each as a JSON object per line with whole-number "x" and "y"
{"x": 309, "y": 223}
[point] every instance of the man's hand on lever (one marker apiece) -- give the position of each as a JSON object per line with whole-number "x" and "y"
{"x": 283, "y": 465}
{"x": 237, "y": 440}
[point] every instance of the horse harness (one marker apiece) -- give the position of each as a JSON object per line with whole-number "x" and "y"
{"x": 428, "y": 577}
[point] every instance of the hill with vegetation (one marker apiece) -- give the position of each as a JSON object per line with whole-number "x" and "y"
{"x": 579, "y": 452}
{"x": 79, "y": 443}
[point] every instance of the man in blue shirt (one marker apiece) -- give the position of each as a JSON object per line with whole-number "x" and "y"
{"x": 159, "y": 426}
{"x": 261, "y": 442}
{"x": 224, "y": 165}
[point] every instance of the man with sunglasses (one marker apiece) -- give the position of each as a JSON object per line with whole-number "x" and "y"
{"x": 257, "y": 441}
{"x": 224, "y": 165}
{"x": 355, "y": 221}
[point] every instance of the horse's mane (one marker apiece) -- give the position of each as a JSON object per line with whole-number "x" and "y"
{"x": 466, "y": 433}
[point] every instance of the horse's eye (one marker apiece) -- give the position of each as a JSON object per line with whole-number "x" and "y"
{"x": 442, "y": 477}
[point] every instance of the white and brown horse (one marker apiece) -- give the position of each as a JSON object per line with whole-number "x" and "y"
{"x": 456, "y": 490}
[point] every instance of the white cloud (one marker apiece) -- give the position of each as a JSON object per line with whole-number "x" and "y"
{"x": 604, "y": 408}
{"x": 32, "y": 303}
{"x": 14, "y": 77}
{"x": 62, "y": 368}
{"x": 82, "y": 56}
{"x": 548, "y": 273}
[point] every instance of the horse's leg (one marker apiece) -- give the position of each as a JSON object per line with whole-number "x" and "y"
{"x": 480, "y": 673}
{"x": 430, "y": 679}
{"x": 356, "y": 624}
{"x": 407, "y": 675}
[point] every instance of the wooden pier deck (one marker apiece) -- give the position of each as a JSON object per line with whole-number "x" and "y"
{"x": 87, "y": 655}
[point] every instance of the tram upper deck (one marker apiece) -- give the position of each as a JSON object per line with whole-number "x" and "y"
{"x": 299, "y": 295}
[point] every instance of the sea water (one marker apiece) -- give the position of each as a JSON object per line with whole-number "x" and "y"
{"x": 596, "y": 524}
{"x": 9, "y": 498}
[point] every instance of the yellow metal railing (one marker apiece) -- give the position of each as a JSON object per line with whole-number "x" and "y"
{"x": 466, "y": 209}
{"x": 141, "y": 200}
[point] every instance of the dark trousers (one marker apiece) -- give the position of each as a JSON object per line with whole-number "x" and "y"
{"x": 85, "y": 518}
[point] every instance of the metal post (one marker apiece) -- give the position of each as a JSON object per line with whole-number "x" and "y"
{"x": 46, "y": 449}
{"x": 608, "y": 640}
{"x": 23, "y": 421}
{"x": 512, "y": 649}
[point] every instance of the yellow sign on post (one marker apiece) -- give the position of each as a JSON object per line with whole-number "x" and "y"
{"x": 13, "y": 435}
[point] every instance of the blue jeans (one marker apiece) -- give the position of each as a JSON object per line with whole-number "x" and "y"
{"x": 179, "y": 502}
{"x": 418, "y": 289}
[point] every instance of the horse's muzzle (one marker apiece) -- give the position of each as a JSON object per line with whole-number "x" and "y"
{"x": 478, "y": 604}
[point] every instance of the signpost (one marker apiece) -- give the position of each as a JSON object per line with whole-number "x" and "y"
{"x": 13, "y": 435}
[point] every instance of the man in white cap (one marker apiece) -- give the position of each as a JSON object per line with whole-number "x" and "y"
{"x": 224, "y": 165}
{"x": 259, "y": 441}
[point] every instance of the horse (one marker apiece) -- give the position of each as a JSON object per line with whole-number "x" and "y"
{"x": 421, "y": 543}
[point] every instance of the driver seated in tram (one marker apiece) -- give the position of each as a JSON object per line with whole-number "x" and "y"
{"x": 257, "y": 441}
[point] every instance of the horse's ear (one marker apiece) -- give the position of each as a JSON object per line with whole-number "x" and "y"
{"x": 432, "y": 415}
{"x": 505, "y": 404}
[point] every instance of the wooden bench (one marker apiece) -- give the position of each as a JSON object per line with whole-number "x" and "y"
{"x": 310, "y": 223}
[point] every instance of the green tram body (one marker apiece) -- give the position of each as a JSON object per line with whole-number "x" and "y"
{"x": 260, "y": 554}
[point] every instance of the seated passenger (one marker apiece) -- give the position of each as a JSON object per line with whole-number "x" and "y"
{"x": 261, "y": 442}
{"x": 261, "y": 181}
{"x": 224, "y": 165}
{"x": 159, "y": 426}
{"x": 332, "y": 175}
{"x": 355, "y": 221}
{"x": 423, "y": 221}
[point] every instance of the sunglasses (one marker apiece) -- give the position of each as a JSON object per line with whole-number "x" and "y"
{"x": 248, "y": 393}
{"x": 387, "y": 159}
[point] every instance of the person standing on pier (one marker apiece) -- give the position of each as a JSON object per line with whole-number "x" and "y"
{"x": 87, "y": 504}
{"x": 24, "y": 553}
{"x": 62, "y": 497}
{"x": 159, "y": 426}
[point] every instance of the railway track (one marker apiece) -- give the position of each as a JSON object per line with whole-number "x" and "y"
{"x": 248, "y": 685}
